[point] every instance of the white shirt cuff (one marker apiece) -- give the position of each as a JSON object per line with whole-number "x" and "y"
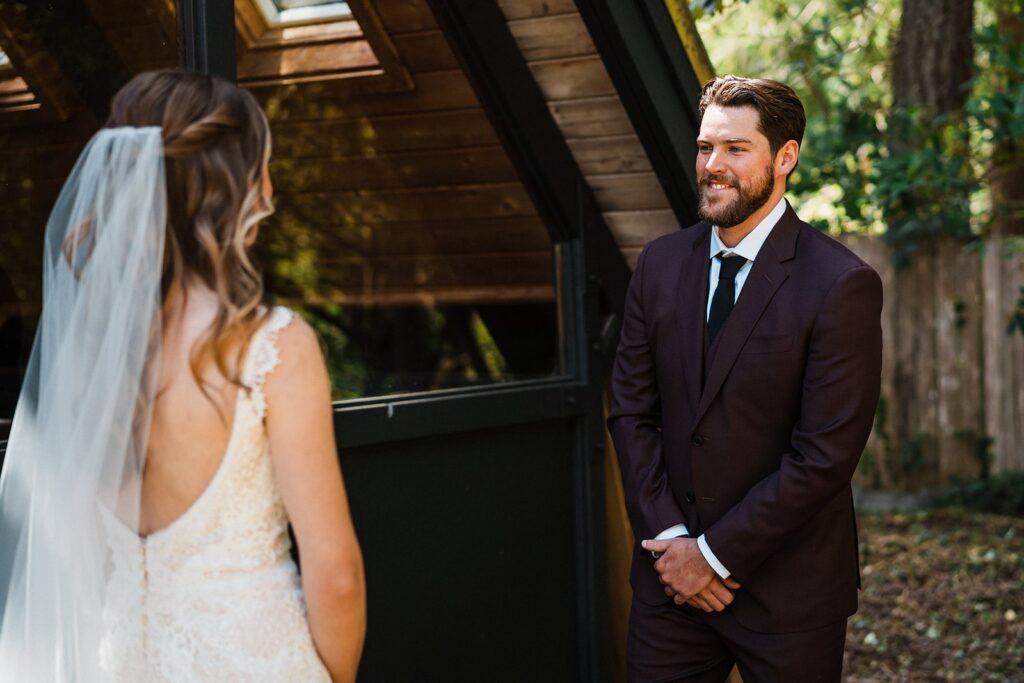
{"x": 673, "y": 532}
{"x": 705, "y": 550}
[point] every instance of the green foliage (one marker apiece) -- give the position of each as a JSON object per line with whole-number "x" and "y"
{"x": 1001, "y": 494}
{"x": 700, "y": 8}
{"x": 922, "y": 186}
{"x": 912, "y": 452}
{"x": 494, "y": 361}
{"x": 996, "y": 104}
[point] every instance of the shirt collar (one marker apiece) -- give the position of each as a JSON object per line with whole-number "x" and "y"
{"x": 750, "y": 245}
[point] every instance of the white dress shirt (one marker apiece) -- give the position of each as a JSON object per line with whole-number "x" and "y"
{"x": 748, "y": 248}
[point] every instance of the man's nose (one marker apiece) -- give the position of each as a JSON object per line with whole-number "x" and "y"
{"x": 715, "y": 163}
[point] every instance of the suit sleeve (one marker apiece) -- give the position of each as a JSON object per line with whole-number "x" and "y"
{"x": 635, "y": 421}
{"x": 842, "y": 377}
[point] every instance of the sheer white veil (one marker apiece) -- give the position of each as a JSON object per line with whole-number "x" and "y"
{"x": 77, "y": 443}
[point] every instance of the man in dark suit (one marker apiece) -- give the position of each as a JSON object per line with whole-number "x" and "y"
{"x": 744, "y": 390}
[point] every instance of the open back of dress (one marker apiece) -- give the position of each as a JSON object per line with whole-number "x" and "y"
{"x": 215, "y": 596}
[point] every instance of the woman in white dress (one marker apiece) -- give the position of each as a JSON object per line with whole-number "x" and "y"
{"x": 171, "y": 425}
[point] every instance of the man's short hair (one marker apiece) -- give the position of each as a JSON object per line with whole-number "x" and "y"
{"x": 781, "y": 115}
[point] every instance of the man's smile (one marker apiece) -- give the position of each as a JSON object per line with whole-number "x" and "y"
{"x": 710, "y": 183}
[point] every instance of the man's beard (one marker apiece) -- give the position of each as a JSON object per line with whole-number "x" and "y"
{"x": 750, "y": 198}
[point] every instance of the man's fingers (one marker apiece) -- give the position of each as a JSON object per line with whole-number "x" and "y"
{"x": 723, "y": 594}
{"x": 693, "y": 602}
{"x": 669, "y": 592}
{"x": 680, "y": 600}
{"x": 712, "y": 600}
{"x": 702, "y": 603}
{"x": 732, "y": 583}
{"x": 655, "y": 546}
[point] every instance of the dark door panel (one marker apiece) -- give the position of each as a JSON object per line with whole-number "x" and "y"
{"x": 469, "y": 544}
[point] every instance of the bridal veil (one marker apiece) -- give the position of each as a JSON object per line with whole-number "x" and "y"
{"x": 78, "y": 440}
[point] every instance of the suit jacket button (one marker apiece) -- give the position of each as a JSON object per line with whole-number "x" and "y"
{"x": 697, "y": 440}
{"x": 689, "y": 497}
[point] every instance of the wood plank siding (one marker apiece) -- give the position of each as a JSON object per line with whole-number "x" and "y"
{"x": 406, "y": 195}
{"x": 580, "y": 95}
{"x": 389, "y": 173}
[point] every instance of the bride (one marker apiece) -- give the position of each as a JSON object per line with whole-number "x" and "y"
{"x": 170, "y": 425}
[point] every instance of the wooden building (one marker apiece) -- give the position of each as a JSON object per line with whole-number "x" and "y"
{"x": 462, "y": 187}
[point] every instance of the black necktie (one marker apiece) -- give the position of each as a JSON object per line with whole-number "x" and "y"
{"x": 725, "y": 293}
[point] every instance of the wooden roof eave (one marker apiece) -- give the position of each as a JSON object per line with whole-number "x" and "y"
{"x": 657, "y": 63}
{"x": 518, "y": 110}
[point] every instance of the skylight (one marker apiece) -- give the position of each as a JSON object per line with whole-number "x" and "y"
{"x": 288, "y": 12}
{"x": 283, "y": 5}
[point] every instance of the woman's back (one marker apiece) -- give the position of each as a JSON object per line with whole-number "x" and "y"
{"x": 190, "y": 428}
{"x": 152, "y": 471}
{"x": 213, "y": 594}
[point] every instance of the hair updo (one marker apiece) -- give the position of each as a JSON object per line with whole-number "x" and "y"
{"x": 216, "y": 147}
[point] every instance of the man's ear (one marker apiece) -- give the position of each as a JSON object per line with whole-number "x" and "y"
{"x": 786, "y": 157}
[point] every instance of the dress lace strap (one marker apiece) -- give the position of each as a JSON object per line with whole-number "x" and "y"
{"x": 264, "y": 356}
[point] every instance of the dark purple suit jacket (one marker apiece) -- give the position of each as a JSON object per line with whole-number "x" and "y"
{"x": 753, "y": 440}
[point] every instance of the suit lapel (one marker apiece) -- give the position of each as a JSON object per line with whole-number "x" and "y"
{"x": 770, "y": 270}
{"x": 692, "y": 295}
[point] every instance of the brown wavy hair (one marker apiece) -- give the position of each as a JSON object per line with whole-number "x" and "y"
{"x": 216, "y": 147}
{"x": 781, "y": 116}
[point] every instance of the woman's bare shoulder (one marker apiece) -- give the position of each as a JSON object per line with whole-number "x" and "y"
{"x": 296, "y": 340}
{"x": 300, "y": 368}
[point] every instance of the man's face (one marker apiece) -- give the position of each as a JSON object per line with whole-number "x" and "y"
{"x": 735, "y": 169}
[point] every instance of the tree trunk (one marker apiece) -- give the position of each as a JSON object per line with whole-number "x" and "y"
{"x": 934, "y": 54}
{"x": 934, "y": 408}
{"x": 1007, "y": 168}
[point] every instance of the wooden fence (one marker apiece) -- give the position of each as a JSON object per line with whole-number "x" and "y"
{"x": 952, "y": 401}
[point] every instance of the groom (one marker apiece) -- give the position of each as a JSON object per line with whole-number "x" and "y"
{"x": 744, "y": 390}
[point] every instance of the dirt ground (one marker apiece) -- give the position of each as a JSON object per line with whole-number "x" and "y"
{"x": 942, "y": 599}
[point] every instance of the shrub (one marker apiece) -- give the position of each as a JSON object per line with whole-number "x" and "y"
{"x": 1001, "y": 494}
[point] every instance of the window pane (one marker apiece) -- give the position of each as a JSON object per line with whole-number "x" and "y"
{"x": 403, "y": 233}
{"x": 64, "y": 62}
{"x": 290, "y": 12}
{"x": 293, "y": 4}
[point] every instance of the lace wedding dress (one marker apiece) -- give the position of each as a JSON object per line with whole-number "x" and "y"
{"x": 215, "y": 596}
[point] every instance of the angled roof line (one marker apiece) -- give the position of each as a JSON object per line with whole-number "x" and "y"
{"x": 657, "y": 64}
